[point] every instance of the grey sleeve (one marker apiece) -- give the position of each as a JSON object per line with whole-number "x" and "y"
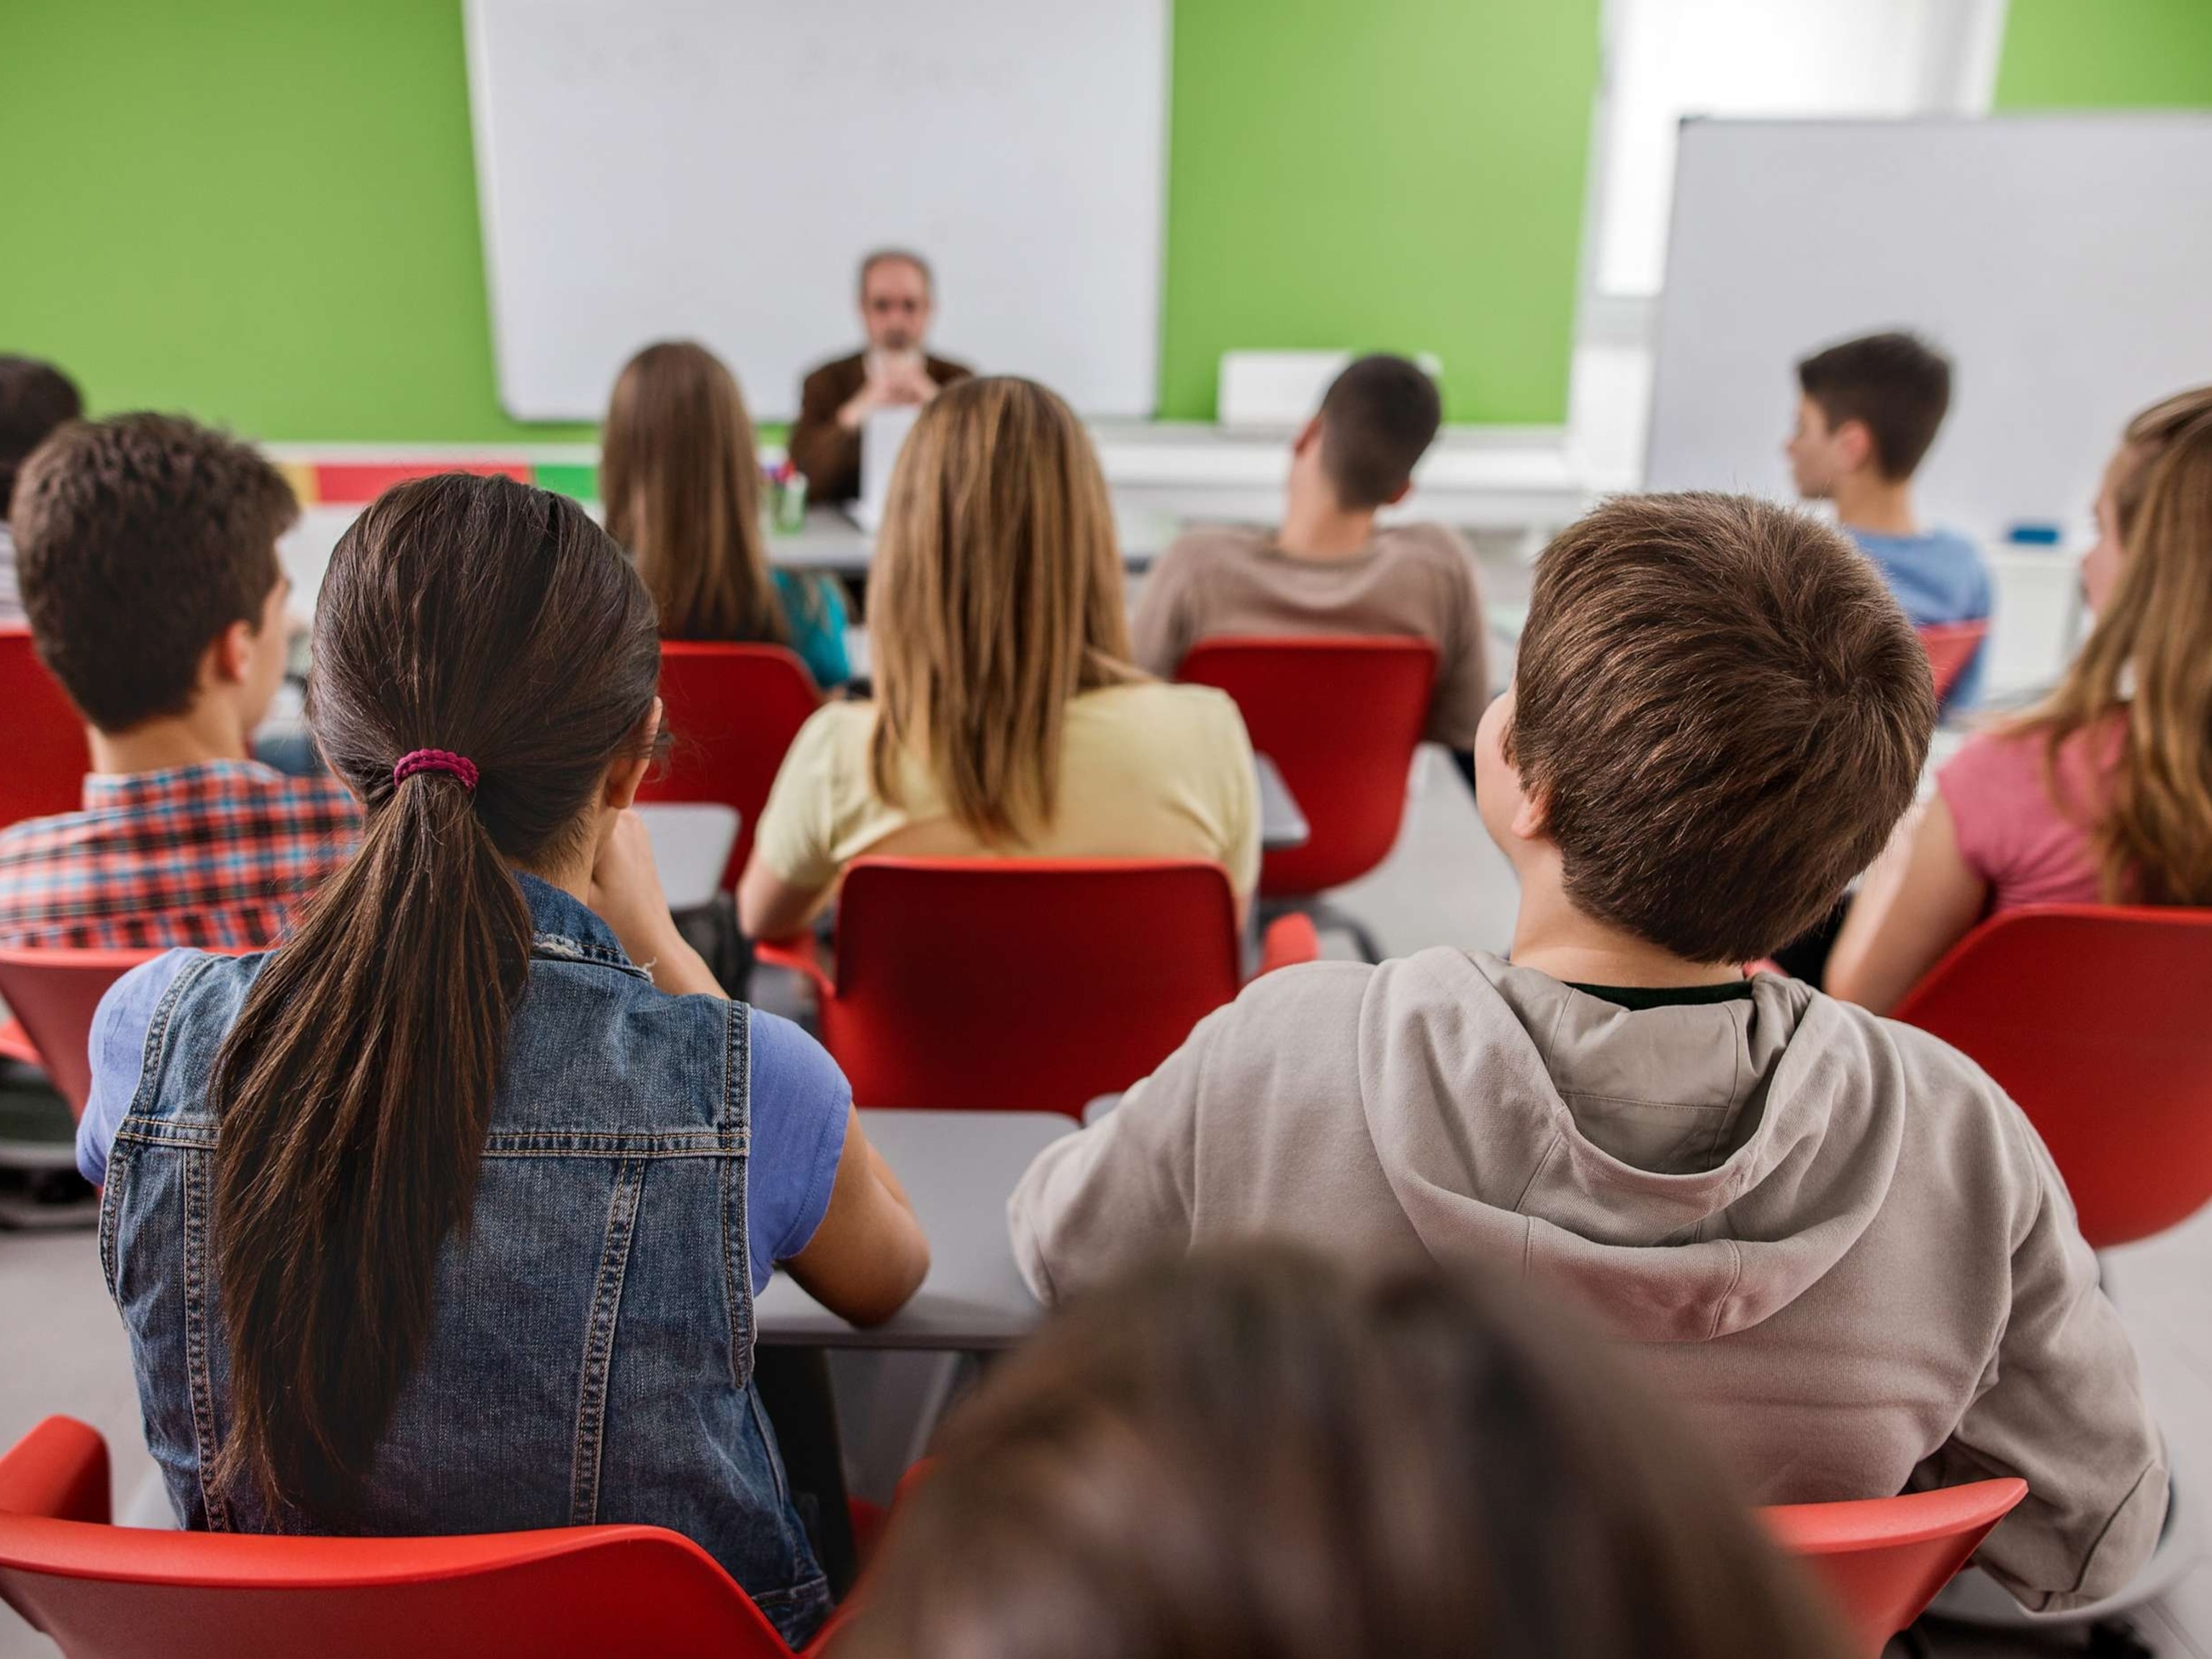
{"x": 1120, "y": 1192}
{"x": 2065, "y": 1410}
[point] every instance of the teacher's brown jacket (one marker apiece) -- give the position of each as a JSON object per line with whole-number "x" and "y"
{"x": 828, "y": 455}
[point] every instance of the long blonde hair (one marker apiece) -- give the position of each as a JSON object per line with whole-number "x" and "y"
{"x": 2149, "y": 662}
{"x": 998, "y": 596}
{"x": 681, "y": 480}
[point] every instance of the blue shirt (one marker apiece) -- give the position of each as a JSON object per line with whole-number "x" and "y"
{"x": 799, "y": 1103}
{"x": 1938, "y": 577}
{"x": 814, "y": 610}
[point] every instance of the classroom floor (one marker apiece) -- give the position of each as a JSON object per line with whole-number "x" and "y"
{"x": 62, "y": 1347}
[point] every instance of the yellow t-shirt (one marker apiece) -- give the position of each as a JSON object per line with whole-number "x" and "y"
{"x": 1146, "y": 770}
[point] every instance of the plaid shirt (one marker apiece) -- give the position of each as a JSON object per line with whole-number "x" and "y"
{"x": 215, "y": 855}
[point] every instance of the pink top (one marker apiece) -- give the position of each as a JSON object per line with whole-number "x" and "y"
{"x": 2011, "y": 833}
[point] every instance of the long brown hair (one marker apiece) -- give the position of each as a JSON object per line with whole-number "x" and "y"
{"x": 998, "y": 597}
{"x": 1260, "y": 1450}
{"x": 681, "y": 480}
{"x": 355, "y": 1090}
{"x": 2149, "y": 662}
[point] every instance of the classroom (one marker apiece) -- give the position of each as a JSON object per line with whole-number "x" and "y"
{"x": 958, "y": 829}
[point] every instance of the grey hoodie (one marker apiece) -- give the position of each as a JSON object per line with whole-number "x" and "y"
{"x": 1832, "y": 1235}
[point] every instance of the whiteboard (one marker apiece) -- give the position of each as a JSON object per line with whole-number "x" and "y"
{"x": 2064, "y": 262}
{"x": 714, "y": 169}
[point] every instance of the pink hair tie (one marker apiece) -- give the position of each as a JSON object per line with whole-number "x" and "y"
{"x": 435, "y": 760}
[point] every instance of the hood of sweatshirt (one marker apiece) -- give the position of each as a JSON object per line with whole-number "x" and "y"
{"x": 1689, "y": 1171}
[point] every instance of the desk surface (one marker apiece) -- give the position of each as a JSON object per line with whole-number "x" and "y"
{"x": 1283, "y": 827}
{"x": 959, "y": 1168}
{"x": 691, "y": 842}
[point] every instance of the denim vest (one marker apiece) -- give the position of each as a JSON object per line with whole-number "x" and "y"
{"x": 591, "y": 1354}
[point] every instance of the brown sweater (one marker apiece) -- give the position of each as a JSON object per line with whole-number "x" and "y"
{"x": 1832, "y": 1235}
{"x": 828, "y": 455}
{"x": 1416, "y": 578}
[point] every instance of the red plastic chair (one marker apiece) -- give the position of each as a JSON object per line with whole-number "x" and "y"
{"x": 108, "y": 1592}
{"x": 52, "y": 995}
{"x": 2093, "y": 1017}
{"x": 46, "y": 756}
{"x": 1021, "y": 984}
{"x": 1950, "y": 646}
{"x": 1340, "y": 718}
{"x": 731, "y": 711}
{"x": 1883, "y": 1558}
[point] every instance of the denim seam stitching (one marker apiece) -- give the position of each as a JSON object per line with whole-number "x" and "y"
{"x": 733, "y": 1120}
{"x": 599, "y": 1345}
{"x": 199, "y": 1382}
{"x": 156, "y": 1048}
{"x": 110, "y": 1214}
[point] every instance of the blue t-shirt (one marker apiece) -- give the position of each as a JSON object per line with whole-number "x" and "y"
{"x": 1938, "y": 576}
{"x": 814, "y": 610}
{"x": 799, "y": 1097}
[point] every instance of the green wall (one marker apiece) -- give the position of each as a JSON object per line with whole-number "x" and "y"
{"x": 1404, "y": 174}
{"x": 2087, "y": 54}
{"x": 264, "y": 211}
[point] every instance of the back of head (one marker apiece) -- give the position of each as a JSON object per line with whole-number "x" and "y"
{"x": 35, "y": 397}
{"x": 497, "y": 623}
{"x": 1262, "y": 1452}
{"x": 139, "y": 540}
{"x": 1725, "y": 713}
{"x": 1896, "y": 385}
{"x": 998, "y": 596}
{"x": 2147, "y": 656}
{"x": 1377, "y": 420}
{"x": 680, "y": 475}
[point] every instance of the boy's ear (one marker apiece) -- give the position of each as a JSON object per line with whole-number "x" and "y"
{"x": 1309, "y": 436}
{"x": 1854, "y": 440}
{"x": 1532, "y": 817}
{"x": 1401, "y": 492}
{"x": 228, "y": 655}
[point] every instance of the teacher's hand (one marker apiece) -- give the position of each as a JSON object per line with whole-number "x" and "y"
{"x": 862, "y": 405}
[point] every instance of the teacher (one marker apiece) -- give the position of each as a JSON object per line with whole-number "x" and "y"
{"x": 896, "y": 300}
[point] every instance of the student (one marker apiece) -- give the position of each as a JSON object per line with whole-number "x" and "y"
{"x": 1834, "y": 1237}
{"x": 1866, "y": 412}
{"x": 2104, "y": 794}
{"x": 1328, "y": 569}
{"x": 1266, "y": 1450}
{"x": 147, "y": 548}
{"x": 35, "y": 397}
{"x": 681, "y": 479}
{"x": 376, "y": 1200}
{"x": 1008, "y": 719}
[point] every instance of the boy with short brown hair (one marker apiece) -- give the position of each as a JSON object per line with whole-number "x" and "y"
{"x": 1868, "y": 412}
{"x": 1834, "y": 1236}
{"x": 147, "y": 548}
{"x": 1327, "y": 567}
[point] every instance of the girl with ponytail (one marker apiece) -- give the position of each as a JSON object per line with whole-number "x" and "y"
{"x": 447, "y": 1215}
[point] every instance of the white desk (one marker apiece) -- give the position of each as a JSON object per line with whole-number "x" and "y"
{"x": 691, "y": 843}
{"x": 959, "y": 1168}
{"x": 1283, "y": 827}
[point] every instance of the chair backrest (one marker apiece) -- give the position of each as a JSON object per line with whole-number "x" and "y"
{"x": 1950, "y": 646}
{"x": 52, "y": 995}
{"x": 2093, "y": 1017}
{"x": 732, "y": 710}
{"x": 1022, "y": 985}
{"x": 1339, "y": 717}
{"x": 46, "y": 756}
{"x": 126, "y": 1593}
{"x": 1882, "y": 1559}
